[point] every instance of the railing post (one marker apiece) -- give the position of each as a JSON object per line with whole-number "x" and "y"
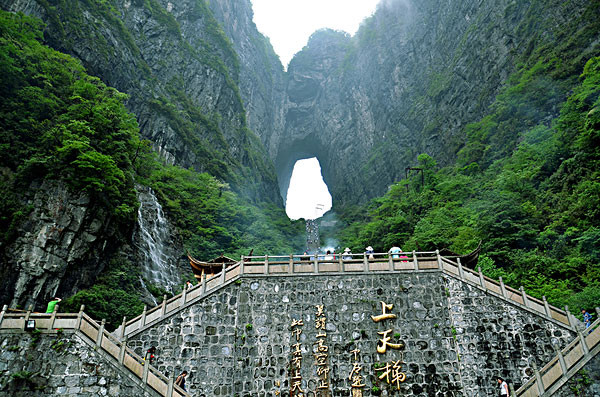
{"x": 170, "y": 387}
{"x": 416, "y": 262}
{"x": 183, "y": 296}
{"x": 123, "y": 325}
{"x": 316, "y": 263}
{"x": 391, "y": 262}
{"x": 461, "y": 272}
{"x": 29, "y": 310}
{"x": 584, "y": 346}
{"x": 481, "y": 279}
{"x": 100, "y": 333}
{"x": 163, "y": 308}
{"x": 223, "y": 275}
{"x": 291, "y": 264}
{"x": 122, "y": 350}
{"x": 341, "y": 262}
{"x": 4, "y": 309}
{"x": 538, "y": 379}
{"x": 366, "y": 262}
{"x": 571, "y": 323}
{"x": 546, "y": 307}
{"x": 242, "y": 264}
{"x": 53, "y": 317}
{"x": 561, "y": 360}
{"x": 203, "y": 283}
{"x": 266, "y": 264}
{"x": 524, "y": 295}
{"x": 439, "y": 260}
{"x": 511, "y": 389}
{"x": 79, "y": 317}
{"x": 502, "y": 287}
{"x": 146, "y": 368}
{"x": 143, "y": 318}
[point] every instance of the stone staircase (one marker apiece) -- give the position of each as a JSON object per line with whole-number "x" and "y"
{"x": 94, "y": 333}
{"x": 565, "y": 365}
{"x": 380, "y": 262}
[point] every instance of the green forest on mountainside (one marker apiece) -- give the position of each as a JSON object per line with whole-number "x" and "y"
{"x": 58, "y": 123}
{"x": 536, "y": 207}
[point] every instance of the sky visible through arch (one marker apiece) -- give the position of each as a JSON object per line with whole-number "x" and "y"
{"x": 288, "y": 24}
{"x": 307, "y": 196}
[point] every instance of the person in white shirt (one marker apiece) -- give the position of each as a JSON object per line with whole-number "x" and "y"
{"x": 503, "y": 387}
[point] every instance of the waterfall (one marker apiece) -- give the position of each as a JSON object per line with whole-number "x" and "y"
{"x": 152, "y": 238}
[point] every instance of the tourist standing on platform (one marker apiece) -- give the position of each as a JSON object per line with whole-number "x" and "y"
{"x": 369, "y": 251}
{"x": 52, "y": 304}
{"x": 188, "y": 284}
{"x": 347, "y": 254}
{"x": 395, "y": 252}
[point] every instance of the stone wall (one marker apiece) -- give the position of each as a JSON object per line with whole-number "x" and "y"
{"x": 497, "y": 338}
{"x": 271, "y": 335}
{"x": 52, "y": 364}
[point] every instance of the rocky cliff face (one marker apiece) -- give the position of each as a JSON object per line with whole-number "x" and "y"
{"x": 61, "y": 246}
{"x": 407, "y": 83}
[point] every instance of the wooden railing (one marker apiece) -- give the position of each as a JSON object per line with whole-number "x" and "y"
{"x": 567, "y": 362}
{"x": 343, "y": 264}
{"x": 82, "y": 324}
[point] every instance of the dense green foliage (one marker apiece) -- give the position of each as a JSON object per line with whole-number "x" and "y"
{"x": 535, "y": 208}
{"x": 58, "y": 123}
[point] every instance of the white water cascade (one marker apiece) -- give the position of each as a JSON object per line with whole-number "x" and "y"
{"x": 152, "y": 237}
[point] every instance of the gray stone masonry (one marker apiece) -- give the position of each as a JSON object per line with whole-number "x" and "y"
{"x": 60, "y": 364}
{"x": 246, "y": 338}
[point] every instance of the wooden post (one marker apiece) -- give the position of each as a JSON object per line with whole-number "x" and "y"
{"x": 538, "y": 379}
{"x": 366, "y": 262}
{"x": 123, "y": 325}
{"x": 163, "y": 308}
{"x": 100, "y": 333}
{"x": 183, "y": 295}
{"x": 546, "y": 307}
{"x": 461, "y": 272}
{"x": 143, "y": 318}
{"x": 266, "y": 264}
{"x": 242, "y": 265}
{"x": 571, "y": 323}
{"x": 481, "y": 279}
{"x": 416, "y": 262}
{"x": 4, "y": 309}
{"x": 122, "y": 350}
{"x": 29, "y": 310}
{"x": 203, "y": 283}
{"x": 53, "y": 317}
{"x": 291, "y": 264}
{"x": 170, "y": 387}
{"x": 584, "y": 346}
{"x": 524, "y": 295}
{"x": 502, "y": 287}
{"x": 79, "y": 317}
{"x": 439, "y": 260}
{"x": 146, "y": 369}
{"x": 561, "y": 360}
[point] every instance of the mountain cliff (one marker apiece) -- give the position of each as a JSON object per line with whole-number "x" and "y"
{"x": 421, "y": 82}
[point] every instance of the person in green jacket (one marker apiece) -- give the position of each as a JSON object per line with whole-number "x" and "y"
{"x": 52, "y": 304}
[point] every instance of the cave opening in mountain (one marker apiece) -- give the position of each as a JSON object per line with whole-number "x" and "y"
{"x": 307, "y": 196}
